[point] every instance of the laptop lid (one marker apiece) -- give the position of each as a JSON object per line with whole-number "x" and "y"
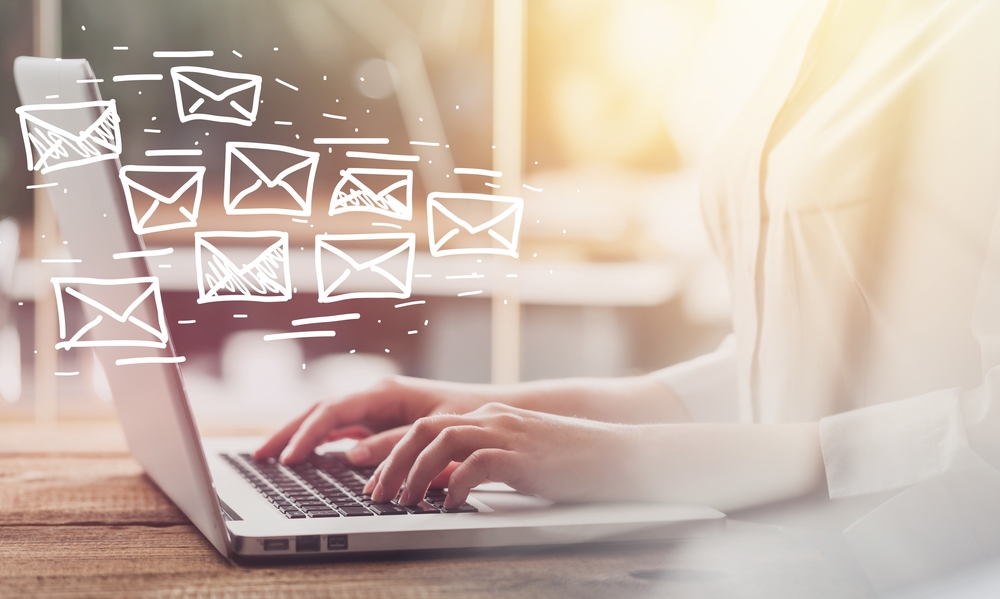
{"x": 71, "y": 135}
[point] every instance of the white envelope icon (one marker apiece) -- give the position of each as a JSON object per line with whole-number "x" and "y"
{"x": 174, "y": 208}
{"x": 255, "y": 270}
{"x": 383, "y": 191}
{"x": 129, "y": 312}
{"x": 498, "y": 218}
{"x": 266, "y": 189}
{"x": 66, "y": 135}
{"x": 342, "y": 259}
{"x": 219, "y": 96}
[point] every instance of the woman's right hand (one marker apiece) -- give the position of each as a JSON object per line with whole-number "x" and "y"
{"x": 379, "y": 417}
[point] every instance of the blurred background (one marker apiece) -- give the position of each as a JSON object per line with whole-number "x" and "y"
{"x": 601, "y": 114}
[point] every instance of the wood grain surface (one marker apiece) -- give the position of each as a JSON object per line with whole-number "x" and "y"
{"x": 88, "y": 523}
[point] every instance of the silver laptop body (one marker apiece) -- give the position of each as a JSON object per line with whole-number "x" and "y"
{"x": 152, "y": 405}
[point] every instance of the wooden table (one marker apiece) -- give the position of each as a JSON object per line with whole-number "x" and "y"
{"x": 79, "y": 519}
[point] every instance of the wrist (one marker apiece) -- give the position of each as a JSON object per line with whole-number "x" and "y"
{"x": 726, "y": 466}
{"x": 631, "y": 400}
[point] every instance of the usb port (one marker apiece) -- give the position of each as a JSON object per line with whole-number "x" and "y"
{"x": 336, "y": 543}
{"x": 275, "y": 544}
{"x": 309, "y": 543}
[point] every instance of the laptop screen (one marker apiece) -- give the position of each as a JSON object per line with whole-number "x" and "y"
{"x": 105, "y": 297}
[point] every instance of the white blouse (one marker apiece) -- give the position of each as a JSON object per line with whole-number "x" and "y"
{"x": 855, "y": 206}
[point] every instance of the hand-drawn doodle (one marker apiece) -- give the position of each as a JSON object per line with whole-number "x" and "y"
{"x": 386, "y": 192}
{"x": 340, "y": 259}
{"x": 229, "y": 274}
{"x": 204, "y": 94}
{"x": 474, "y": 238}
{"x": 131, "y": 314}
{"x": 42, "y": 127}
{"x": 252, "y": 188}
{"x": 175, "y": 207}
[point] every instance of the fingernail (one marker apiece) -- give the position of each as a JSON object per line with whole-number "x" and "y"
{"x": 377, "y": 493}
{"x": 360, "y": 453}
{"x": 284, "y": 454}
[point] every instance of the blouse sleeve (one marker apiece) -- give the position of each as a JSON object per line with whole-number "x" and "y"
{"x": 892, "y": 445}
{"x": 901, "y": 443}
{"x": 707, "y": 385}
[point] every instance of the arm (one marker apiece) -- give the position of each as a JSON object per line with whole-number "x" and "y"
{"x": 632, "y": 400}
{"x": 566, "y": 459}
{"x": 381, "y": 415}
{"x": 728, "y": 466}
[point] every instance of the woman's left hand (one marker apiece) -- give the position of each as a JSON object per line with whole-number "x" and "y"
{"x": 555, "y": 457}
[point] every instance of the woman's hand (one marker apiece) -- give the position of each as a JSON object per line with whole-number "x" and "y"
{"x": 379, "y": 417}
{"x": 426, "y": 427}
{"x": 555, "y": 457}
{"x": 382, "y": 415}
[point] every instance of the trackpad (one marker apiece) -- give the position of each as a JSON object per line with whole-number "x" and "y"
{"x": 508, "y": 500}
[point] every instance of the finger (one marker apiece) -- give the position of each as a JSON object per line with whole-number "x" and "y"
{"x": 273, "y": 446}
{"x": 372, "y": 481}
{"x": 369, "y": 488}
{"x": 349, "y": 432}
{"x": 320, "y": 422}
{"x": 441, "y": 480}
{"x": 401, "y": 458}
{"x": 374, "y": 449}
{"x": 453, "y": 444}
{"x": 498, "y": 465}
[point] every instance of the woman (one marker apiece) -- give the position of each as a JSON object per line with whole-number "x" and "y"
{"x": 853, "y": 205}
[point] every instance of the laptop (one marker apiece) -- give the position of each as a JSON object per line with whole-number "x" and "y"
{"x": 247, "y": 509}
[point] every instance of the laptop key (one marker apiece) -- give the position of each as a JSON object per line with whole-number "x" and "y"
{"x": 423, "y": 508}
{"x": 324, "y": 514}
{"x": 323, "y": 484}
{"x": 294, "y": 515}
{"x": 355, "y": 510}
{"x": 387, "y": 509}
{"x": 303, "y": 498}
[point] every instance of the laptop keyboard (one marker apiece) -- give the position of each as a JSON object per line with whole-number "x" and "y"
{"x": 325, "y": 487}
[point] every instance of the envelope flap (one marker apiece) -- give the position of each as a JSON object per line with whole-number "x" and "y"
{"x": 474, "y": 212}
{"x": 108, "y": 296}
{"x": 161, "y": 184}
{"x": 357, "y": 249}
{"x": 272, "y": 163}
{"x": 384, "y": 189}
{"x": 65, "y": 119}
{"x": 378, "y": 182}
{"x": 215, "y": 85}
{"x": 264, "y": 248}
{"x": 254, "y": 268}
